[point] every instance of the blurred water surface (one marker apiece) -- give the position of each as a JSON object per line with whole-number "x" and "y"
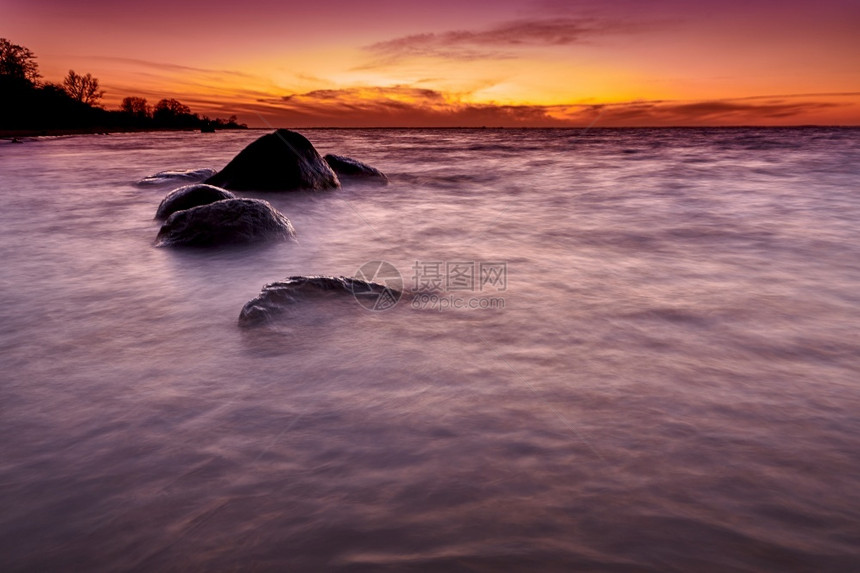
{"x": 672, "y": 384}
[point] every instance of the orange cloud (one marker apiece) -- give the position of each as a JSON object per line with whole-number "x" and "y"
{"x": 416, "y": 107}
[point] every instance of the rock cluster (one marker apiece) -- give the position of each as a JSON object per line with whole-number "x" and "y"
{"x": 208, "y": 213}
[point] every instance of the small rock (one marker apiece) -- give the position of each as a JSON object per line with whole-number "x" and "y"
{"x": 190, "y": 196}
{"x": 275, "y": 297}
{"x": 188, "y": 175}
{"x": 347, "y": 167}
{"x": 223, "y": 222}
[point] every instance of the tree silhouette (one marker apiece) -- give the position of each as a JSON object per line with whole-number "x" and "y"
{"x": 17, "y": 62}
{"x": 30, "y": 105}
{"x": 83, "y": 88}
{"x": 172, "y": 113}
{"x": 136, "y": 106}
{"x": 171, "y": 107}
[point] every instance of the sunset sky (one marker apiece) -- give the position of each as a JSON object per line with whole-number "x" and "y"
{"x": 461, "y": 63}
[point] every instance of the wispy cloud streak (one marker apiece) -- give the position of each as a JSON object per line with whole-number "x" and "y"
{"x": 415, "y": 107}
{"x": 498, "y": 42}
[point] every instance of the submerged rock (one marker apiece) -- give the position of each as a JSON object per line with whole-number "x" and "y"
{"x": 225, "y": 221}
{"x": 347, "y": 167}
{"x": 187, "y": 175}
{"x": 276, "y": 297}
{"x": 279, "y": 161}
{"x": 190, "y": 196}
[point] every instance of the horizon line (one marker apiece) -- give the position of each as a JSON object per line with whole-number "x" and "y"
{"x": 739, "y": 126}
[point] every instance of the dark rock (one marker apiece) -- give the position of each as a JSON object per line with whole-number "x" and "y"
{"x": 226, "y": 221}
{"x": 190, "y": 196}
{"x": 347, "y": 167}
{"x": 187, "y": 175}
{"x": 276, "y": 297}
{"x": 279, "y": 161}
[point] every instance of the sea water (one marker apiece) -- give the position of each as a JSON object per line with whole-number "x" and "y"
{"x": 623, "y": 350}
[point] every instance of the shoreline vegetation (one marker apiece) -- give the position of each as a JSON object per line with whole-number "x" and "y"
{"x": 13, "y": 134}
{"x": 30, "y": 107}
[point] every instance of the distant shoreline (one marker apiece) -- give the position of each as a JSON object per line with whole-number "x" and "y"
{"x": 17, "y": 133}
{"x": 10, "y": 134}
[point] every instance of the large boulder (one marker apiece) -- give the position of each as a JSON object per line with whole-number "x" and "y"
{"x": 226, "y": 221}
{"x": 276, "y": 297}
{"x": 279, "y": 161}
{"x": 185, "y": 176}
{"x": 190, "y": 196}
{"x": 349, "y": 168}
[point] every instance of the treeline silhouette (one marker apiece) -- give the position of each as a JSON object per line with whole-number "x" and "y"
{"x": 28, "y": 104}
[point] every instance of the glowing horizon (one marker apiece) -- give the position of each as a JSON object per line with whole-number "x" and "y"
{"x": 502, "y": 64}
